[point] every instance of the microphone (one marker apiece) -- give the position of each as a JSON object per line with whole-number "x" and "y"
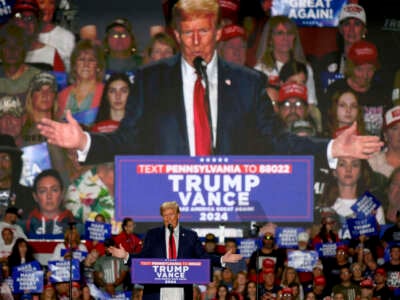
{"x": 200, "y": 65}
{"x": 170, "y": 228}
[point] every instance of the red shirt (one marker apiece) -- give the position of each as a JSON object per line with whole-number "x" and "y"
{"x": 131, "y": 242}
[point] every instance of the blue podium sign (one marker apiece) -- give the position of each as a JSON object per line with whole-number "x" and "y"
{"x": 216, "y": 189}
{"x": 167, "y": 271}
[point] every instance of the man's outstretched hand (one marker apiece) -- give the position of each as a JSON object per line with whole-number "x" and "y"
{"x": 230, "y": 257}
{"x": 68, "y": 135}
{"x": 349, "y": 144}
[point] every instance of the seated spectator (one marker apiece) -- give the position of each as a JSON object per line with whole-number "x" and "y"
{"x": 239, "y": 284}
{"x": 231, "y": 245}
{"x": 110, "y": 271}
{"x": 26, "y": 14}
{"x": 113, "y": 102}
{"x": 127, "y": 239}
{"x": 161, "y": 46}
{"x": 10, "y": 220}
{"x": 227, "y": 278}
{"x": 292, "y": 103}
{"x": 54, "y": 35}
{"x": 385, "y": 161}
{"x": 122, "y": 55}
{"x": 72, "y": 246}
{"x": 49, "y": 218}
{"x": 233, "y": 44}
{"x": 16, "y": 74}
{"x": 343, "y": 112}
{"x": 12, "y": 118}
{"x": 84, "y": 95}
{"x": 251, "y": 290}
{"x": 12, "y": 192}
{"x": 290, "y": 276}
{"x": 391, "y": 205}
{"x": 7, "y": 240}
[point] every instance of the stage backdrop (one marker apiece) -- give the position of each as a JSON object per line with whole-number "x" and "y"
{"x": 216, "y": 189}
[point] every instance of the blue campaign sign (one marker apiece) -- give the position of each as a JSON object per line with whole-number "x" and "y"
{"x": 365, "y": 205}
{"x": 170, "y": 271}
{"x": 362, "y": 226}
{"x": 326, "y": 249}
{"x": 302, "y": 261}
{"x": 216, "y": 189}
{"x": 317, "y": 13}
{"x": 28, "y": 267}
{"x": 286, "y": 237}
{"x": 97, "y": 231}
{"x": 246, "y": 247}
{"x": 27, "y": 281}
{"x": 86, "y": 117}
{"x": 60, "y": 270}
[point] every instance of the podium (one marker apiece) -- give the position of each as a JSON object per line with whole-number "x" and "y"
{"x": 170, "y": 271}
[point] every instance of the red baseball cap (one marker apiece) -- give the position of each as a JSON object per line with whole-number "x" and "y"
{"x": 367, "y": 283}
{"x": 268, "y": 271}
{"x": 268, "y": 263}
{"x": 232, "y": 31}
{"x": 320, "y": 280}
{"x": 363, "y": 52}
{"x": 229, "y": 9}
{"x": 290, "y": 90}
{"x": 380, "y": 271}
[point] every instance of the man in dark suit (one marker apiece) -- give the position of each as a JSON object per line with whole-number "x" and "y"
{"x": 160, "y": 118}
{"x": 157, "y": 244}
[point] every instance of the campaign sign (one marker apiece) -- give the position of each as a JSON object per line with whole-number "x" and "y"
{"x": 286, "y": 237}
{"x": 246, "y": 247}
{"x": 27, "y": 281}
{"x": 118, "y": 296}
{"x": 86, "y": 117}
{"x": 362, "y": 226}
{"x": 97, "y": 231}
{"x": 60, "y": 270}
{"x": 302, "y": 261}
{"x": 35, "y": 159}
{"x": 28, "y": 267}
{"x": 167, "y": 271}
{"x": 365, "y": 205}
{"x": 76, "y": 254}
{"x": 216, "y": 189}
{"x": 326, "y": 249}
{"x": 317, "y": 13}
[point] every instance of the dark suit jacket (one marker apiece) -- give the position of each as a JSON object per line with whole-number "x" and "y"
{"x": 155, "y": 121}
{"x": 189, "y": 246}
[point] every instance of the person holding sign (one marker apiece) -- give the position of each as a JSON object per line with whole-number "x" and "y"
{"x": 172, "y": 241}
{"x": 162, "y": 119}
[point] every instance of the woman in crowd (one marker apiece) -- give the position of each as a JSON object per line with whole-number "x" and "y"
{"x": 121, "y": 49}
{"x": 49, "y": 218}
{"x": 343, "y": 112}
{"x": 251, "y": 291}
{"x": 112, "y": 106}
{"x": 388, "y": 159}
{"x": 281, "y": 43}
{"x": 391, "y": 204}
{"x": 72, "y": 241}
{"x": 350, "y": 180}
{"x": 289, "y": 276}
{"x": 239, "y": 284}
{"x": 54, "y": 35}
{"x": 222, "y": 293}
{"x": 161, "y": 45}
{"x": 83, "y": 97}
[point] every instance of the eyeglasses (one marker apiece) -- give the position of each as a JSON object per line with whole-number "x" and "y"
{"x": 24, "y": 18}
{"x": 288, "y": 104}
{"x": 117, "y": 35}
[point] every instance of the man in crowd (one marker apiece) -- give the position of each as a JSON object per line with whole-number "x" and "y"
{"x": 161, "y": 119}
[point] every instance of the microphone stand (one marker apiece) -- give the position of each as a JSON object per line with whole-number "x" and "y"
{"x": 71, "y": 227}
{"x": 257, "y": 263}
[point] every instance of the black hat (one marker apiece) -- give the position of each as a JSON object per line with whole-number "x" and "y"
{"x": 210, "y": 237}
{"x": 7, "y": 144}
{"x": 13, "y": 210}
{"x": 120, "y": 22}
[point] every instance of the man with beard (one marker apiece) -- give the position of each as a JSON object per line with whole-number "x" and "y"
{"x": 292, "y": 103}
{"x": 12, "y": 194}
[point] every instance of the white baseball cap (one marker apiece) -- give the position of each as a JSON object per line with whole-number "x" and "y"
{"x": 353, "y": 11}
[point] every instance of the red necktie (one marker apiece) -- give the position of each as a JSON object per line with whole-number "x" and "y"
{"x": 201, "y": 124}
{"x": 172, "y": 246}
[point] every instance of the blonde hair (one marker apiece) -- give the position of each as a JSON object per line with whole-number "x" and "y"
{"x": 169, "y": 205}
{"x": 189, "y": 9}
